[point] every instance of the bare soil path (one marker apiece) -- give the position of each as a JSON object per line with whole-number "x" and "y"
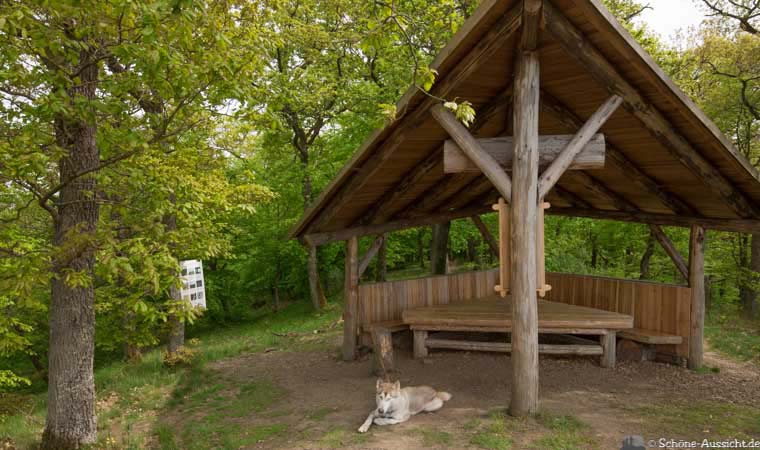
{"x": 323, "y": 400}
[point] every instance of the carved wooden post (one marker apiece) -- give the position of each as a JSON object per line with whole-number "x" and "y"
{"x": 524, "y": 204}
{"x": 504, "y": 248}
{"x": 697, "y": 284}
{"x": 351, "y": 303}
{"x": 543, "y": 288}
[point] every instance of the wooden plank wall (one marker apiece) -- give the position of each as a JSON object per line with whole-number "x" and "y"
{"x": 654, "y": 306}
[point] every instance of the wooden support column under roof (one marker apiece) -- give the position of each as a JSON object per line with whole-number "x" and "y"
{"x": 371, "y": 252}
{"x": 605, "y": 73}
{"x": 697, "y": 285}
{"x": 523, "y": 206}
{"x": 351, "y": 300}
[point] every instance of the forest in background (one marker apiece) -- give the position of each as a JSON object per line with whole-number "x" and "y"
{"x": 204, "y": 128}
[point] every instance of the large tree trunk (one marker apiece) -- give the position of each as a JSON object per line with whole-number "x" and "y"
{"x": 71, "y": 420}
{"x": 175, "y": 320}
{"x": 439, "y": 247}
{"x": 176, "y": 325}
{"x": 750, "y": 294}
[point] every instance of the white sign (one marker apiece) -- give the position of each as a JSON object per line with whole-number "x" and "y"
{"x": 193, "y": 289}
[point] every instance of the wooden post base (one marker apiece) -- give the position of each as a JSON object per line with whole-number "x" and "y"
{"x": 608, "y": 348}
{"x": 420, "y": 347}
{"x": 382, "y": 362}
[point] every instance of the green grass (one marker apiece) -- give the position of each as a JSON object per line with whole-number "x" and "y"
{"x": 705, "y": 419}
{"x": 563, "y": 433}
{"x": 341, "y": 437}
{"x": 135, "y": 390}
{"x": 320, "y": 413}
{"x": 493, "y": 433}
{"x": 434, "y": 438}
{"x": 733, "y": 336}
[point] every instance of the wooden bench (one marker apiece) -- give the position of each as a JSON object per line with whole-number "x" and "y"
{"x": 650, "y": 337}
{"x": 382, "y": 344}
{"x": 605, "y": 348}
{"x": 639, "y": 344}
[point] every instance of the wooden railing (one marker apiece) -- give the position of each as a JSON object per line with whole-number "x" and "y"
{"x": 654, "y": 306}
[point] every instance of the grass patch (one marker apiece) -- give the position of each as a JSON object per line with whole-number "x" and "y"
{"x": 732, "y": 335}
{"x": 705, "y": 419}
{"x": 493, "y": 433}
{"x": 135, "y": 392}
{"x": 341, "y": 437}
{"x": 434, "y": 438}
{"x": 564, "y": 433}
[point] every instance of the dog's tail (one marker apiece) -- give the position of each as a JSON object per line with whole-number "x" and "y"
{"x": 445, "y": 396}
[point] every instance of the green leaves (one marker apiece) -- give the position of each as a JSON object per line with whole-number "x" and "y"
{"x": 463, "y": 111}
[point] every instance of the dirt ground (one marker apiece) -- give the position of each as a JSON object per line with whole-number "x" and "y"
{"x": 326, "y": 399}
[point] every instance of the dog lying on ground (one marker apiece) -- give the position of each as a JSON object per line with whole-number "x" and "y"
{"x": 396, "y": 405}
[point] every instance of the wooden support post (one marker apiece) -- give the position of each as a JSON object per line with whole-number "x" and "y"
{"x": 470, "y": 146}
{"x": 552, "y": 174}
{"x": 542, "y": 288}
{"x": 371, "y": 252}
{"x": 318, "y": 299}
{"x": 493, "y": 245}
{"x": 505, "y": 255}
{"x": 697, "y": 284}
{"x": 420, "y": 347}
{"x": 382, "y": 341}
{"x": 524, "y": 398}
{"x": 351, "y": 304}
{"x": 608, "y": 348}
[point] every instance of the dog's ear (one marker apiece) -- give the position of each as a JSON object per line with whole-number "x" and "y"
{"x": 397, "y": 386}
{"x": 379, "y": 384}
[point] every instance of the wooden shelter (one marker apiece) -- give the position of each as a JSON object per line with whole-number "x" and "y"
{"x": 534, "y": 69}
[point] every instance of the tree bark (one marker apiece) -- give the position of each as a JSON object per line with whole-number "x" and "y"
{"x": 439, "y": 249}
{"x": 71, "y": 420}
{"x": 176, "y": 322}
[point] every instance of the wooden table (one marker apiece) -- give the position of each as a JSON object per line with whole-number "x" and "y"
{"x": 494, "y": 315}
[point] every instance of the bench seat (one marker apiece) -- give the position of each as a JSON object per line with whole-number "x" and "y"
{"x": 650, "y": 337}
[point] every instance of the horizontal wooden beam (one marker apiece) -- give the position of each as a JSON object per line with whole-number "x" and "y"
{"x": 365, "y": 230}
{"x": 576, "y": 45}
{"x": 577, "y": 144}
{"x": 501, "y": 149}
{"x": 731, "y": 225}
{"x": 487, "y": 164}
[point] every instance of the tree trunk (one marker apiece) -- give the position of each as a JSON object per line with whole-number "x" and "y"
{"x": 439, "y": 248}
{"x": 176, "y": 325}
{"x": 749, "y": 299}
{"x": 175, "y": 320}
{"x": 646, "y": 258}
{"x": 382, "y": 263}
{"x": 71, "y": 420}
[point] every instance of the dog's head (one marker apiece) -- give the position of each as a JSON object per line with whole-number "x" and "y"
{"x": 386, "y": 393}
